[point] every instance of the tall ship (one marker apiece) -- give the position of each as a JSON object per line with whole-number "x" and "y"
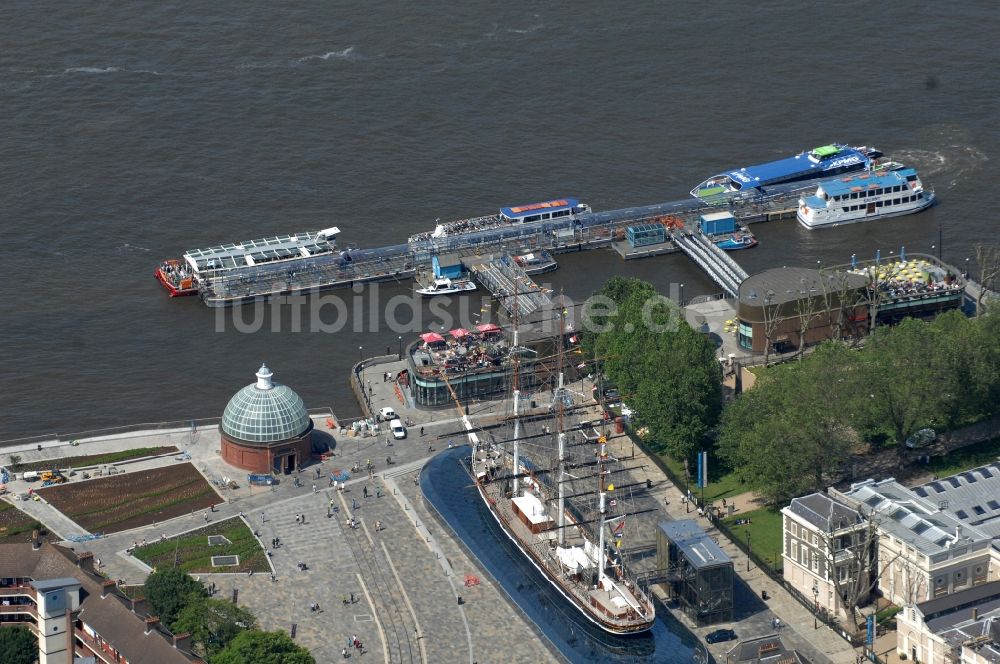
{"x": 863, "y": 197}
{"x": 186, "y": 275}
{"x": 822, "y": 162}
{"x": 559, "y": 209}
{"x": 570, "y": 526}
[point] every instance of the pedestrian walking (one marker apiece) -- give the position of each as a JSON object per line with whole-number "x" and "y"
{"x": 297, "y": 518}
{"x": 262, "y": 518}
{"x": 421, "y": 431}
{"x": 344, "y": 653}
{"x": 206, "y": 517}
{"x": 315, "y": 489}
{"x": 365, "y": 492}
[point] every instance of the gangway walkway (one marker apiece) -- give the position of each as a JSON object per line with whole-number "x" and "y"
{"x": 722, "y": 269}
{"x": 510, "y": 285}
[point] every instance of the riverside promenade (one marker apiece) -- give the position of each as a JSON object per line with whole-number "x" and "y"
{"x": 403, "y": 580}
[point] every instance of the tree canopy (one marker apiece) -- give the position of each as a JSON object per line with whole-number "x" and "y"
{"x": 170, "y": 590}
{"x": 258, "y": 647}
{"x": 18, "y": 646}
{"x": 793, "y": 432}
{"x": 212, "y": 623}
{"x": 663, "y": 368}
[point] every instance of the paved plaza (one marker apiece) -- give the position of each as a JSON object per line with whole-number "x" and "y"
{"x": 403, "y": 579}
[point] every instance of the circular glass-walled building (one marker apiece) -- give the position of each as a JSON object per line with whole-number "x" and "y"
{"x": 266, "y": 428}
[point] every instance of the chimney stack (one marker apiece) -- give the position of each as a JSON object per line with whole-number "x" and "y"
{"x": 958, "y": 532}
{"x": 151, "y": 623}
{"x": 138, "y": 604}
{"x": 105, "y": 585}
{"x": 182, "y": 641}
{"x": 85, "y": 561}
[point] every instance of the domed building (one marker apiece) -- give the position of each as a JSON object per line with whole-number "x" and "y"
{"x": 266, "y": 428}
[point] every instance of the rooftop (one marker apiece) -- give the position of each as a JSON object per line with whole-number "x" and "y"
{"x": 764, "y": 650}
{"x": 699, "y": 549}
{"x": 789, "y": 284}
{"x": 52, "y": 565}
{"x": 911, "y": 518}
{"x": 824, "y": 512}
{"x": 973, "y": 497}
{"x": 265, "y": 412}
{"x": 866, "y": 180}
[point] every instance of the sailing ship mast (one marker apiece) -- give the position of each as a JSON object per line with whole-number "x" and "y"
{"x": 561, "y": 435}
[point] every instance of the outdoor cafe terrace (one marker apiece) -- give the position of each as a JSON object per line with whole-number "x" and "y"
{"x": 460, "y": 351}
{"x": 914, "y": 279}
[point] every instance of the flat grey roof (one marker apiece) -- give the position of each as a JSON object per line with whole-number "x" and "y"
{"x": 53, "y": 584}
{"x": 789, "y": 284}
{"x": 700, "y": 549}
{"x": 949, "y": 604}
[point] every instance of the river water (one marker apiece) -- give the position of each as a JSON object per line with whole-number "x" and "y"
{"x": 133, "y": 131}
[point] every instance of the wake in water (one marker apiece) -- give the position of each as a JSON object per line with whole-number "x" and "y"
{"x": 91, "y": 70}
{"x": 952, "y": 163}
{"x": 127, "y": 248}
{"x": 347, "y": 54}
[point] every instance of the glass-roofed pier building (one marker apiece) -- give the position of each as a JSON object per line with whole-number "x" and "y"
{"x": 242, "y": 256}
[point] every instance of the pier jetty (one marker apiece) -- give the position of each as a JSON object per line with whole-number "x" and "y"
{"x": 590, "y": 230}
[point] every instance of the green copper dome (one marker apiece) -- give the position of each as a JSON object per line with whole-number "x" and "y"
{"x": 265, "y": 412}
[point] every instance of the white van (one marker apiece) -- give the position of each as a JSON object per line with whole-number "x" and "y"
{"x": 398, "y": 430}
{"x": 29, "y": 475}
{"x": 387, "y": 414}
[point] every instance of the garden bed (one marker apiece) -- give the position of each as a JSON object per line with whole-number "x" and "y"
{"x": 130, "y": 500}
{"x": 95, "y": 459}
{"x": 15, "y": 525}
{"x": 193, "y": 553}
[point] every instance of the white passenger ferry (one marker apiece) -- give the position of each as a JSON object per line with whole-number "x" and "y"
{"x": 865, "y": 196}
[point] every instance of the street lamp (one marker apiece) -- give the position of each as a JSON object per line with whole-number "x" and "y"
{"x": 400, "y": 337}
{"x": 687, "y": 487}
{"x": 682, "y": 295}
{"x": 815, "y": 603}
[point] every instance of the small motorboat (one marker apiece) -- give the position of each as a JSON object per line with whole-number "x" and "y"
{"x": 447, "y": 286}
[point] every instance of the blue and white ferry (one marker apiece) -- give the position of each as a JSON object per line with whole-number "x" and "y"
{"x": 864, "y": 196}
{"x": 824, "y": 161}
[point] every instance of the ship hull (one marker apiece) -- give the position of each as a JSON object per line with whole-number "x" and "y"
{"x": 543, "y": 570}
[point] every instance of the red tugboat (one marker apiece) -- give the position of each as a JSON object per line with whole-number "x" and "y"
{"x": 176, "y": 278}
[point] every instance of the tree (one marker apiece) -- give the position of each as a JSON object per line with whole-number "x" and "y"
{"x": 18, "y": 646}
{"x": 988, "y": 264}
{"x": 852, "y": 564}
{"x": 15, "y": 461}
{"x": 662, "y": 367}
{"x": 790, "y": 434}
{"x": 257, "y": 647}
{"x": 212, "y": 623}
{"x": 170, "y": 590}
{"x": 907, "y": 377}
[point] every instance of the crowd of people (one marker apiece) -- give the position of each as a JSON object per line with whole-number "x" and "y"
{"x": 459, "y": 227}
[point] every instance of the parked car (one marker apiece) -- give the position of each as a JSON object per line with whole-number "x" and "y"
{"x": 387, "y": 414}
{"x": 720, "y": 635}
{"x": 398, "y": 430}
{"x": 922, "y": 438}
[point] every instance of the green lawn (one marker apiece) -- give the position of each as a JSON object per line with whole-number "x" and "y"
{"x": 721, "y": 484}
{"x": 765, "y": 533}
{"x": 194, "y": 555}
{"x": 965, "y": 458}
{"x": 96, "y": 459}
